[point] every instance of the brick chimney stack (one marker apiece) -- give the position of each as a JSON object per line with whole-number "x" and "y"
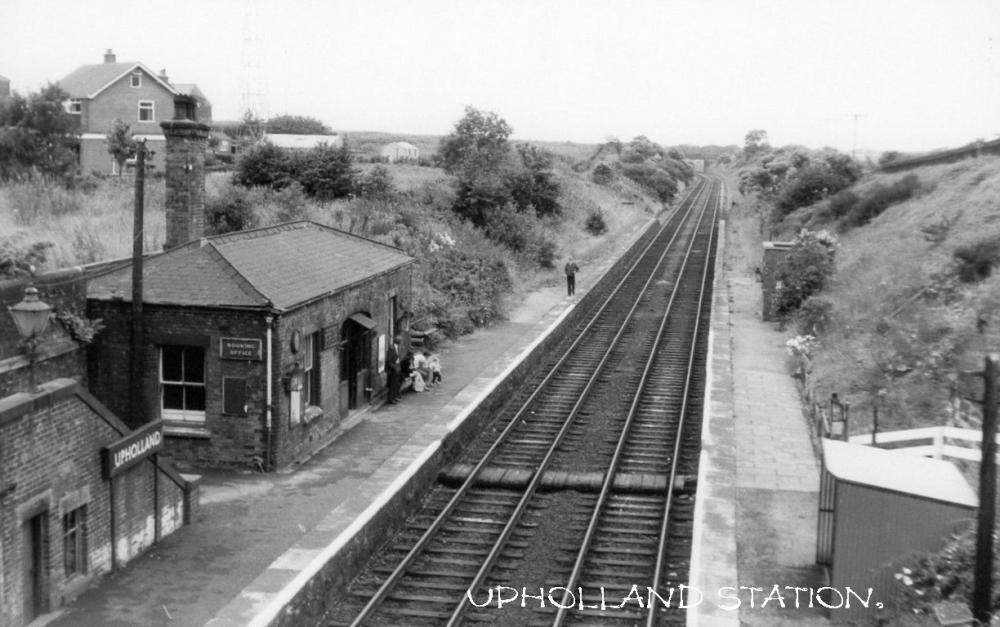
{"x": 185, "y": 197}
{"x": 163, "y": 75}
{"x": 109, "y": 57}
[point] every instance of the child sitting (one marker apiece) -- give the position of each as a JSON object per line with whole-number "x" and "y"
{"x": 434, "y": 365}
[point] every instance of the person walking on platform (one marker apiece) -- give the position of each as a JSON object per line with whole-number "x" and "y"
{"x": 571, "y": 270}
{"x": 393, "y": 368}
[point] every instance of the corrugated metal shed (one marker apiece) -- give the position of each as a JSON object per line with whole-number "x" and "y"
{"x": 876, "y": 507}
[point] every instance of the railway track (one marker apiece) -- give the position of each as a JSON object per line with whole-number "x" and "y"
{"x": 578, "y": 498}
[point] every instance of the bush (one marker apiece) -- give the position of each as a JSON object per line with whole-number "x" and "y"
{"x": 804, "y": 271}
{"x": 265, "y": 165}
{"x": 595, "y": 224}
{"x": 327, "y": 173}
{"x": 603, "y": 174}
{"x": 21, "y": 260}
{"x": 975, "y": 261}
{"x": 878, "y": 199}
{"x": 233, "y": 211}
{"x": 813, "y": 317}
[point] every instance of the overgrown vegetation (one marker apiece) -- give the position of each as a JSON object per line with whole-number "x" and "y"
{"x": 37, "y": 136}
{"x": 852, "y": 210}
{"x": 804, "y": 271}
{"x": 324, "y": 172}
{"x": 945, "y": 575}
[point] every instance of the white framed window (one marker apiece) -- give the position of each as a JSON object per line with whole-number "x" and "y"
{"x": 74, "y": 106}
{"x": 182, "y": 384}
{"x": 310, "y": 364}
{"x": 75, "y": 542}
{"x": 136, "y": 79}
{"x": 146, "y": 111}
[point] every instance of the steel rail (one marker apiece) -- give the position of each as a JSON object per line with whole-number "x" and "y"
{"x": 623, "y": 438}
{"x": 664, "y": 529}
{"x": 404, "y": 564}
{"x": 536, "y": 478}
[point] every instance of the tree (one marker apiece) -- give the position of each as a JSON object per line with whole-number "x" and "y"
{"x": 36, "y": 133}
{"x": 479, "y": 142}
{"x": 754, "y": 142}
{"x": 534, "y": 186}
{"x": 121, "y": 144}
{"x": 297, "y": 125}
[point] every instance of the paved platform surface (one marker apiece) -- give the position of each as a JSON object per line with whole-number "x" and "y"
{"x": 759, "y": 480}
{"x": 257, "y": 533}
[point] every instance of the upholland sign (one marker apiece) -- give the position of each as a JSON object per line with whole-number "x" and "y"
{"x": 132, "y": 449}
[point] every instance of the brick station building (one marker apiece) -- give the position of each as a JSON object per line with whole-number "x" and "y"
{"x": 66, "y": 519}
{"x": 257, "y": 344}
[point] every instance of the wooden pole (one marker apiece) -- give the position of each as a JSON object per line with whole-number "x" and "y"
{"x": 137, "y": 416}
{"x": 987, "y": 497}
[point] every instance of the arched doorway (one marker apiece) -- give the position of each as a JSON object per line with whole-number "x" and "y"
{"x": 356, "y": 362}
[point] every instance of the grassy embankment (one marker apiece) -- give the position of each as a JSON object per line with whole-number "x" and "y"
{"x": 907, "y": 314}
{"x": 96, "y": 224}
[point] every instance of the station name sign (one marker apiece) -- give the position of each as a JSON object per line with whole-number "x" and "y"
{"x": 243, "y": 348}
{"x": 132, "y": 449}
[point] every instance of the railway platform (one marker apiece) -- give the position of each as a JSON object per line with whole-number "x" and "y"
{"x": 758, "y": 483}
{"x": 259, "y": 537}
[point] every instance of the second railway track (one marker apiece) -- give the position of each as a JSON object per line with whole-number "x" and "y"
{"x": 578, "y": 498}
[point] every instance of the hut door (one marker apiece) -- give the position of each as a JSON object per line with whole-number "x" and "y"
{"x": 356, "y": 362}
{"x": 34, "y": 567}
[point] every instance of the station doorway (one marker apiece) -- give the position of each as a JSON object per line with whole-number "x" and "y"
{"x": 356, "y": 362}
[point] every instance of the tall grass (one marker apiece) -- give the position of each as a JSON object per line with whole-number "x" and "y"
{"x": 83, "y": 225}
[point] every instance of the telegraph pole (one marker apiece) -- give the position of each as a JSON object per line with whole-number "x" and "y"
{"x": 136, "y": 416}
{"x": 982, "y": 592}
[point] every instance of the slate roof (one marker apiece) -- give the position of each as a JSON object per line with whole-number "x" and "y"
{"x": 87, "y": 81}
{"x": 280, "y": 267}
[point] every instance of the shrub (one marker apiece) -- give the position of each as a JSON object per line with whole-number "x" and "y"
{"x": 840, "y": 204}
{"x": 942, "y": 576}
{"x": 376, "y": 183}
{"x": 232, "y": 211}
{"x": 804, "y": 271}
{"x": 878, "y": 199}
{"x": 603, "y": 174}
{"x": 595, "y": 224}
{"x": 813, "y": 317}
{"x": 327, "y": 173}
{"x": 975, "y": 261}
{"x": 20, "y": 260}
{"x": 265, "y": 165}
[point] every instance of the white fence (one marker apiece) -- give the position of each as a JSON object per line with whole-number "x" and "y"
{"x": 936, "y": 442}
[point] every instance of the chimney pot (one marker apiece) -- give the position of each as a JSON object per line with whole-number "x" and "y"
{"x": 109, "y": 57}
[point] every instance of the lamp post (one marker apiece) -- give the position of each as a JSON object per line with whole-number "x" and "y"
{"x": 31, "y": 316}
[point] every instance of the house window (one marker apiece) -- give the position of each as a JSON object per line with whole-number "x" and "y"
{"x": 182, "y": 383}
{"x": 146, "y": 113}
{"x": 75, "y": 542}
{"x": 74, "y": 106}
{"x": 136, "y": 79}
{"x": 310, "y": 358}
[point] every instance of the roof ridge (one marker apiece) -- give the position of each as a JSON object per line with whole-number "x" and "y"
{"x": 244, "y": 283}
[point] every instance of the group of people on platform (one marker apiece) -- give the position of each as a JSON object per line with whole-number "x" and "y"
{"x": 422, "y": 369}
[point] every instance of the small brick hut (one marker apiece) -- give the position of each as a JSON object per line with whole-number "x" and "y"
{"x": 258, "y": 343}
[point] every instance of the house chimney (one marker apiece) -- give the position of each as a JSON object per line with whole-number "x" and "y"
{"x": 163, "y": 76}
{"x": 185, "y": 198}
{"x": 109, "y": 57}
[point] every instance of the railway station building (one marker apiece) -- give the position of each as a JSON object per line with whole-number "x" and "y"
{"x": 257, "y": 344}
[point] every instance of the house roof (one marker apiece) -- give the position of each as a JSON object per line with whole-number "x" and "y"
{"x": 87, "y": 81}
{"x": 280, "y": 267}
{"x": 406, "y": 145}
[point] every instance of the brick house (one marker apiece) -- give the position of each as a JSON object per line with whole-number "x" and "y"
{"x": 100, "y": 93}
{"x": 258, "y": 343}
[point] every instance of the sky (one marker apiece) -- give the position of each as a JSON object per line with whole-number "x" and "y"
{"x": 908, "y": 75}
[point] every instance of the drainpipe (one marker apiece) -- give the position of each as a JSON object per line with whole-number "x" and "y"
{"x": 270, "y": 376}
